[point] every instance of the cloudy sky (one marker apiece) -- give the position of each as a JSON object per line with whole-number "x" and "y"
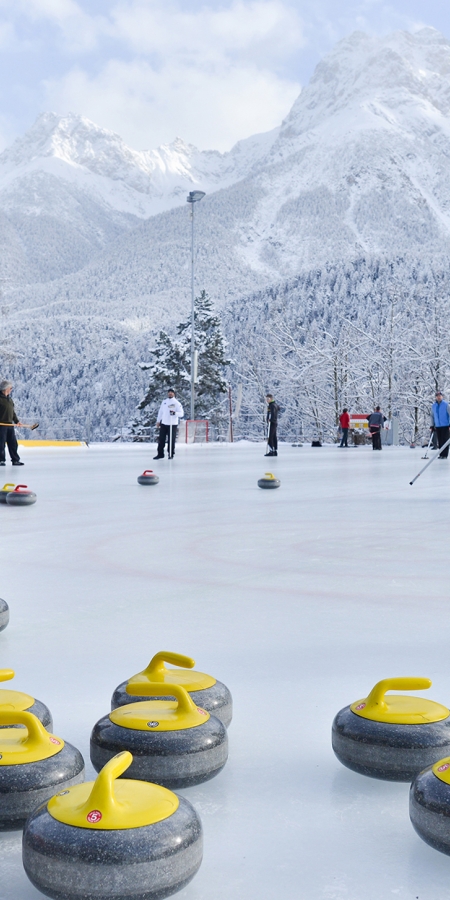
{"x": 210, "y": 71}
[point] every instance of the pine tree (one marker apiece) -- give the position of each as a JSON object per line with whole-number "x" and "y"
{"x": 171, "y": 367}
{"x": 212, "y": 361}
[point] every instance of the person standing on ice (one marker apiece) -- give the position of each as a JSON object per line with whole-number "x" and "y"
{"x": 344, "y": 421}
{"x": 440, "y": 422}
{"x": 376, "y": 421}
{"x": 7, "y": 433}
{"x": 272, "y": 423}
{"x": 169, "y": 414}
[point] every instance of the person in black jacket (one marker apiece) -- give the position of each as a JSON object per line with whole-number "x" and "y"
{"x": 7, "y": 433}
{"x": 272, "y": 422}
{"x": 376, "y": 421}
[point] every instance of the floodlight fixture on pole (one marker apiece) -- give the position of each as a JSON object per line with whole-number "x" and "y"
{"x": 193, "y": 198}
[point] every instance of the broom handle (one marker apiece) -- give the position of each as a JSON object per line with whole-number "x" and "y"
{"x": 431, "y": 460}
{"x": 18, "y": 425}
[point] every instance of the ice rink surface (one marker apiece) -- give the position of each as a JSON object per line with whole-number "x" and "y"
{"x": 299, "y": 599}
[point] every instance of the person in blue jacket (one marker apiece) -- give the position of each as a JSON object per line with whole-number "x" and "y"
{"x": 440, "y": 422}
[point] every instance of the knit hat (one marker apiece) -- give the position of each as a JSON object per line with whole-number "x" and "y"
{"x": 4, "y": 385}
{"x": 171, "y": 391}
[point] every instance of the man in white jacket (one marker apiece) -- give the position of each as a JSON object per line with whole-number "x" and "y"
{"x": 169, "y": 414}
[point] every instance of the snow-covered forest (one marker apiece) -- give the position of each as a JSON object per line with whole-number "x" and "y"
{"x": 357, "y": 334}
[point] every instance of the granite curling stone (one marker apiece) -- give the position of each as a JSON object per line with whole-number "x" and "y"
{"x": 206, "y": 691}
{"x": 429, "y": 805}
{"x": 21, "y": 496}
{"x": 4, "y": 614}
{"x": 393, "y": 737}
{"x": 113, "y": 840}
{"x": 16, "y": 701}
{"x": 148, "y": 477}
{"x": 5, "y": 490}
{"x": 33, "y": 764}
{"x": 269, "y": 481}
{"x": 174, "y": 743}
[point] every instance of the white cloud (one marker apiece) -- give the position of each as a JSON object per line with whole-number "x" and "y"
{"x": 77, "y": 30}
{"x": 212, "y": 76}
{"x": 268, "y": 27}
{"x": 148, "y": 107}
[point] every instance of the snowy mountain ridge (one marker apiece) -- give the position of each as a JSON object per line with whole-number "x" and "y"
{"x": 141, "y": 182}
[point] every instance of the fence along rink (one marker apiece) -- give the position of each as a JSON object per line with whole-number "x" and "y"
{"x": 194, "y": 431}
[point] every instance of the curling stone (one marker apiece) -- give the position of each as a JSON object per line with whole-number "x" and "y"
{"x": 269, "y": 481}
{"x": 16, "y": 701}
{"x": 393, "y": 737}
{"x": 32, "y": 766}
{"x": 206, "y": 691}
{"x": 113, "y": 840}
{"x": 5, "y": 490}
{"x": 174, "y": 743}
{"x": 429, "y": 805}
{"x": 148, "y": 477}
{"x": 21, "y": 496}
{"x": 4, "y": 614}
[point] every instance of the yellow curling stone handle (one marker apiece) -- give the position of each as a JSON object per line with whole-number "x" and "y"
{"x": 13, "y": 699}
{"x": 17, "y": 747}
{"x": 156, "y": 667}
{"x": 156, "y": 672}
{"x": 398, "y": 709}
{"x": 6, "y": 674}
{"x": 159, "y": 715}
{"x": 8, "y": 486}
{"x": 108, "y": 804}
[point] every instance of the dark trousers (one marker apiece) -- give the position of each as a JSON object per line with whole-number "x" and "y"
{"x": 443, "y": 434}
{"x": 273, "y": 440}
{"x": 375, "y": 434}
{"x": 164, "y": 435}
{"x": 8, "y": 436}
{"x": 344, "y": 438}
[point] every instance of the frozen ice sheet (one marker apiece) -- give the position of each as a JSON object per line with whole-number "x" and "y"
{"x": 299, "y": 599}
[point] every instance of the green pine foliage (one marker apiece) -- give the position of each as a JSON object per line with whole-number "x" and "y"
{"x": 171, "y": 367}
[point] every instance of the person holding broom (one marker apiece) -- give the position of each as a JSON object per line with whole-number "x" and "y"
{"x": 170, "y": 412}
{"x": 272, "y": 422}
{"x": 7, "y": 433}
{"x": 440, "y": 422}
{"x": 376, "y": 421}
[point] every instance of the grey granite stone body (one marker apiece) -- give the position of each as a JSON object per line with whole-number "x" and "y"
{"x": 429, "y": 810}
{"x": 148, "y": 479}
{"x": 24, "y": 787}
{"x": 269, "y": 483}
{"x": 4, "y": 614}
{"x": 217, "y": 700}
{"x": 147, "y": 863}
{"x": 17, "y": 499}
{"x": 389, "y": 752}
{"x": 174, "y": 759}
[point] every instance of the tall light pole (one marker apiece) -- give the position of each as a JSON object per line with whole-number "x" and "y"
{"x": 193, "y": 198}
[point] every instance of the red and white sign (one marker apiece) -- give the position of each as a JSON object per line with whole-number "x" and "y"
{"x": 94, "y": 816}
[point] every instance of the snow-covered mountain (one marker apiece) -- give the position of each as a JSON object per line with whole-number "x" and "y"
{"x": 359, "y": 168}
{"x": 69, "y": 188}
